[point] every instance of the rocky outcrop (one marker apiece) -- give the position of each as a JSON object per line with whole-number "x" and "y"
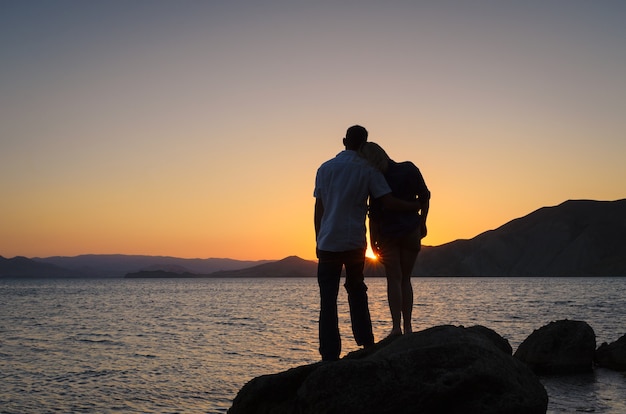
{"x": 613, "y": 355}
{"x": 561, "y": 347}
{"x": 442, "y": 369}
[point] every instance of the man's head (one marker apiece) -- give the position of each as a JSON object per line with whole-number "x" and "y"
{"x": 356, "y": 136}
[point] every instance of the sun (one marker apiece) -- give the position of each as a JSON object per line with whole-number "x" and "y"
{"x": 370, "y": 254}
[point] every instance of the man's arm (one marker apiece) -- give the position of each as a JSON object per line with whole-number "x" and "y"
{"x": 317, "y": 216}
{"x": 393, "y": 203}
{"x": 423, "y": 195}
{"x": 424, "y": 214}
{"x": 424, "y": 210}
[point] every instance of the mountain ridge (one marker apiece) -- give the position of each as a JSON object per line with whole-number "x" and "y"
{"x": 117, "y": 265}
{"x": 574, "y": 238}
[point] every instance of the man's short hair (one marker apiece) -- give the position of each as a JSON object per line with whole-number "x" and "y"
{"x": 356, "y": 136}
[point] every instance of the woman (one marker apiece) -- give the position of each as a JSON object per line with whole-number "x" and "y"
{"x": 396, "y": 236}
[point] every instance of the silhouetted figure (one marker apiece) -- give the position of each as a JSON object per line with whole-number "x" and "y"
{"x": 395, "y": 236}
{"x": 342, "y": 187}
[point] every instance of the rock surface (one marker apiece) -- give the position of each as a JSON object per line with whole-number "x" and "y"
{"x": 612, "y": 355}
{"x": 561, "y": 347}
{"x": 445, "y": 369}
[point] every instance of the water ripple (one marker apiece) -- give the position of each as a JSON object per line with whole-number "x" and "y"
{"x": 163, "y": 346}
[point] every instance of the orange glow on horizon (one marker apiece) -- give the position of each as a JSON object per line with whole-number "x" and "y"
{"x": 95, "y": 160}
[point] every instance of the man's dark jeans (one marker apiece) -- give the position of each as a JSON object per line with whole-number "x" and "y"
{"x": 328, "y": 277}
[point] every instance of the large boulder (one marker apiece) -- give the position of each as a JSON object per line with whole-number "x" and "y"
{"x": 494, "y": 337}
{"x": 612, "y": 355}
{"x": 561, "y": 347}
{"x": 445, "y": 369}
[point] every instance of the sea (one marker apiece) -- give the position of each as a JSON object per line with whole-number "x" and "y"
{"x": 189, "y": 345}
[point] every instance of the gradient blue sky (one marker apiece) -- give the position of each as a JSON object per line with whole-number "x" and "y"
{"x": 194, "y": 128}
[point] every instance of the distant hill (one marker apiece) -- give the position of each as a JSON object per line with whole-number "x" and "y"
{"x": 292, "y": 266}
{"x": 118, "y": 265}
{"x": 575, "y": 238}
{"x": 22, "y": 267}
{"x": 160, "y": 274}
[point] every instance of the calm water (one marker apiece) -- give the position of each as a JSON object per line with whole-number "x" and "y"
{"x": 164, "y": 346}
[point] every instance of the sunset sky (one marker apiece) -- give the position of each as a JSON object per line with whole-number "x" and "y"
{"x": 195, "y": 128}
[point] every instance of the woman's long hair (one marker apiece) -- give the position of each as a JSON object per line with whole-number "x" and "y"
{"x": 375, "y": 155}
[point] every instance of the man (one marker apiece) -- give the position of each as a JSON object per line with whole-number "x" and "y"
{"x": 342, "y": 187}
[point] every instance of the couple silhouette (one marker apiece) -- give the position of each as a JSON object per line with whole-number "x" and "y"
{"x": 398, "y": 206}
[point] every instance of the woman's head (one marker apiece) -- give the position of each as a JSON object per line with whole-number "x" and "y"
{"x": 375, "y": 155}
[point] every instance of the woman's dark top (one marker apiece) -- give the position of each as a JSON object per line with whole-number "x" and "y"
{"x": 406, "y": 182}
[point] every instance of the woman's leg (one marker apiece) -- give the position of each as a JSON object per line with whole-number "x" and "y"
{"x": 393, "y": 269}
{"x": 408, "y": 259}
{"x": 409, "y": 250}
